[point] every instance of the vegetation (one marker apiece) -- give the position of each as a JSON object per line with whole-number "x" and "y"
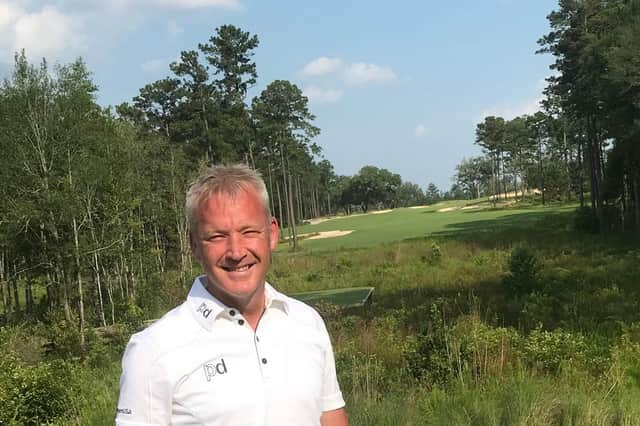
{"x": 584, "y": 141}
{"x": 531, "y": 323}
{"x": 505, "y": 312}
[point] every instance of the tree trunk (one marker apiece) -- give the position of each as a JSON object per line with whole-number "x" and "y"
{"x": 636, "y": 200}
{"x": 301, "y": 215}
{"x": 292, "y": 224}
{"x": 108, "y": 282}
{"x": 159, "y": 251}
{"x": 4, "y": 286}
{"x": 79, "y": 282}
{"x": 581, "y": 173}
{"x": 96, "y": 266}
{"x": 271, "y": 194}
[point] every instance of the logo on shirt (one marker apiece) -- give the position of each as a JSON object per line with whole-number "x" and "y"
{"x": 213, "y": 369}
{"x": 203, "y": 310}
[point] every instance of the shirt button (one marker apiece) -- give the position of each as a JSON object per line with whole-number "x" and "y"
{"x": 241, "y": 321}
{"x": 232, "y": 312}
{"x": 264, "y": 360}
{"x": 257, "y": 339}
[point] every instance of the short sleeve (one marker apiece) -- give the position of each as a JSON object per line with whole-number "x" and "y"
{"x": 331, "y": 395}
{"x": 145, "y": 394}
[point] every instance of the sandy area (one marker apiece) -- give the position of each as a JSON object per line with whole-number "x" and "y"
{"x": 419, "y": 207}
{"x": 475, "y": 206}
{"x": 318, "y": 220}
{"x": 330, "y": 234}
{"x": 381, "y": 211}
{"x": 448, "y": 209}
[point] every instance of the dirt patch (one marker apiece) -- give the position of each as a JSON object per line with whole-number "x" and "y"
{"x": 330, "y": 234}
{"x": 318, "y": 220}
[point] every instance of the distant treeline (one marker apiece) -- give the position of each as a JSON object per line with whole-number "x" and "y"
{"x": 585, "y": 143}
{"x": 93, "y": 197}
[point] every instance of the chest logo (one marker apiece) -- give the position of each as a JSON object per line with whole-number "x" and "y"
{"x": 214, "y": 369}
{"x": 203, "y": 310}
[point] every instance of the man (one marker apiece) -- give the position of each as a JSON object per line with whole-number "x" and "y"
{"x": 237, "y": 352}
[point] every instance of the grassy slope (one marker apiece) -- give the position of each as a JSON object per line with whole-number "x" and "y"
{"x": 459, "y": 267}
{"x": 406, "y": 223}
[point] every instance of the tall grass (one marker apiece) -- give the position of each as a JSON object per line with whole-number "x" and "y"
{"x": 446, "y": 340}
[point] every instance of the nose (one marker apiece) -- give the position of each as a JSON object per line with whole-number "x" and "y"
{"x": 235, "y": 248}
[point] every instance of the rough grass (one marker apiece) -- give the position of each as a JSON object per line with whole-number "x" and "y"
{"x": 443, "y": 342}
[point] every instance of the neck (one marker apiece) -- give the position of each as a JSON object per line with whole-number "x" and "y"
{"x": 251, "y": 307}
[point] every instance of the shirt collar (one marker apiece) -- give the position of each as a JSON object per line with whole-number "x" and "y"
{"x": 206, "y": 308}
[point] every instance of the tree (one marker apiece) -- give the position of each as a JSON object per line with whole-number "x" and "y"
{"x": 410, "y": 194}
{"x": 283, "y": 138}
{"x": 473, "y": 176}
{"x": 432, "y": 194}
{"x": 490, "y": 136}
{"x": 373, "y": 185}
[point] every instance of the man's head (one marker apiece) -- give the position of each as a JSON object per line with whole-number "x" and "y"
{"x": 223, "y": 179}
{"x": 232, "y": 233}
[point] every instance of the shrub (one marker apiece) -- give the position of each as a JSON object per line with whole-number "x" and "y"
{"x": 433, "y": 356}
{"x": 585, "y": 220}
{"x": 523, "y": 272}
{"x": 34, "y": 394}
{"x": 549, "y": 350}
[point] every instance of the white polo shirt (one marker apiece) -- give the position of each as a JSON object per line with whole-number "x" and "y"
{"x": 203, "y": 364}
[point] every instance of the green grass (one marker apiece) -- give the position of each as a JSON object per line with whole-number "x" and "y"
{"x": 344, "y": 297}
{"x": 444, "y": 341}
{"x": 410, "y": 223}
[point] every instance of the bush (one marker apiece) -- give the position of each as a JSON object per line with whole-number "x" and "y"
{"x": 523, "y": 272}
{"x": 34, "y": 394}
{"x": 585, "y": 220}
{"x": 549, "y": 350}
{"x": 432, "y": 356}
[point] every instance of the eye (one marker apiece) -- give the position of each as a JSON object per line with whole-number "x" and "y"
{"x": 216, "y": 237}
{"x": 251, "y": 232}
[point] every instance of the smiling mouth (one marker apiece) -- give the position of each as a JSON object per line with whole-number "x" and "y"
{"x": 237, "y": 268}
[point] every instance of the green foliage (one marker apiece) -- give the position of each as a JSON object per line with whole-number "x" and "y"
{"x": 585, "y": 220}
{"x": 35, "y": 394}
{"x": 433, "y": 357}
{"x": 523, "y": 272}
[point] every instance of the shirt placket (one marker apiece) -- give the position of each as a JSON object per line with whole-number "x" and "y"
{"x": 260, "y": 347}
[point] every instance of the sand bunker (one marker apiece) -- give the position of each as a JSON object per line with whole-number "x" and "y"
{"x": 448, "y": 209}
{"x": 381, "y": 211}
{"x": 475, "y": 206}
{"x": 330, "y": 234}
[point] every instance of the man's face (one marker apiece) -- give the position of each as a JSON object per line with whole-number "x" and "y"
{"x": 233, "y": 242}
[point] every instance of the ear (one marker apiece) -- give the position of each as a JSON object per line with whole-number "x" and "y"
{"x": 193, "y": 245}
{"x": 275, "y": 233}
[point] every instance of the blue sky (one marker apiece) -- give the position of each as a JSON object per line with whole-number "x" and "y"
{"x": 399, "y": 85}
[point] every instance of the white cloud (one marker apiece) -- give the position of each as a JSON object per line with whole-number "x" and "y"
{"x": 174, "y": 29}
{"x": 419, "y": 130}
{"x": 362, "y": 73}
{"x": 510, "y": 111}
{"x": 193, "y": 4}
{"x": 322, "y": 96}
{"x": 350, "y": 73}
{"x": 42, "y": 32}
{"x": 154, "y": 65}
{"x": 322, "y": 66}
{"x": 167, "y": 4}
{"x": 63, "y": 29}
